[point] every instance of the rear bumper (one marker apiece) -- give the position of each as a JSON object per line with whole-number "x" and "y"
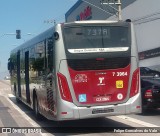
{"x": 72, "y": 112}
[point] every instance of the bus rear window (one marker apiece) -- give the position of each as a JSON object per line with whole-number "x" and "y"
{"x": 88, "y": 37}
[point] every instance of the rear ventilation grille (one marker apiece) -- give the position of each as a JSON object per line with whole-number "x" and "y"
{"x": 95, "y": 64}
{"x": 50, "y": 101}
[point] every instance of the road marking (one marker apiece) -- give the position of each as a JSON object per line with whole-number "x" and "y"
{"x": 32, "y": 122}
{"x": 145, "y": 124}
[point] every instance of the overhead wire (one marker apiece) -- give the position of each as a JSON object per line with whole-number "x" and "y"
{"x": 147, "y": 18}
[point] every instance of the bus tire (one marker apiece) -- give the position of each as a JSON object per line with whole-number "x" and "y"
{"x": 36, "y": 108}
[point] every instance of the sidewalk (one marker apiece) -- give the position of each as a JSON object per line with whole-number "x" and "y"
{"x": 10, "y": 116}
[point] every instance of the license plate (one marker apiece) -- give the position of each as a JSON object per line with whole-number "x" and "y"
{"x": 101, "y": 98}
{"x": 103, "y": 110}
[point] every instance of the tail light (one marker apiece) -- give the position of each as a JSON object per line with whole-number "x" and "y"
{"x": 64, "y": 88}
{"x": 135, "y": 83}
{"x": 148, "y": 94}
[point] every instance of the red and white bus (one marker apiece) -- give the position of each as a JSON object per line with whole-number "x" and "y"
{"x": 83, "y": 69}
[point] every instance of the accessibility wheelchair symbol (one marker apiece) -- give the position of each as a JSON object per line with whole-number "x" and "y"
{"x": 82, "y": 98}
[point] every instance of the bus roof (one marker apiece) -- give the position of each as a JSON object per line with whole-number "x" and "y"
{"x": 92, "y": 22}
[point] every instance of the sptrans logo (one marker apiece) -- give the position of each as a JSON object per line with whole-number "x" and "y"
{"x": 85, "y": 15}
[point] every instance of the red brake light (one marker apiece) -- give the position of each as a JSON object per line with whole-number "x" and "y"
{"x": 64, "y": 88}
{"x": 135, "y": 83}
{"x": 148, "y": 94}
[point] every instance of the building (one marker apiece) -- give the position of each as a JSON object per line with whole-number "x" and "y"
{"x": 144, "y": 13}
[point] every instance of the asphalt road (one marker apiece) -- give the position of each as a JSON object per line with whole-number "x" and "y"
{"x": 19, "y": 116}
{"x": 151, "y": 116}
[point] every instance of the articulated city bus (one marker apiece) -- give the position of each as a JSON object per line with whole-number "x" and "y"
{"x": 83, "y": 69}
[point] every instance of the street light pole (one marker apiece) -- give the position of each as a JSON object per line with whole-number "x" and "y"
{"x": 16, "y": 35}
{"x": 7, "y": 34}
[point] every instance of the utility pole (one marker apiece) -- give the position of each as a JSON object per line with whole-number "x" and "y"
{"x": 119, "y": 10}
{"x": 114, "y": 2}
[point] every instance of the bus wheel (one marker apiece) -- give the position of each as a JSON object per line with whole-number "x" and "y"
{"x": 36, "y": 109}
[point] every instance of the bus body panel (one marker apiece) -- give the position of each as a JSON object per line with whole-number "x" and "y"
{"x": 100, "y": 86}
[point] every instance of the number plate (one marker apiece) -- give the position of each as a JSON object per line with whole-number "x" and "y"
{"x": 103, "y": 110}
{"x": 101, "y": 98}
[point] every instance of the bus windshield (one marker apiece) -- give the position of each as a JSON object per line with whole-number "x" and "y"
{"x": 86, "y": 39}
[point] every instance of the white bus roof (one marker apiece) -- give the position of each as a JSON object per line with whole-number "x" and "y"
{"x": 92, "y": 22}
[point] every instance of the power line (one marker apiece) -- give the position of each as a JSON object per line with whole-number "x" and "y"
{"x": 147, "y": 20}
{"x": 147, "y": 16}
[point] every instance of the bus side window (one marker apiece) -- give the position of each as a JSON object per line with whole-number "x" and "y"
{"x": 50, "y": 54}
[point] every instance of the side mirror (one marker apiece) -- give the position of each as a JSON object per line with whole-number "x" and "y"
{"x": 56, "y": 35}
{"x": 9, "y": 65}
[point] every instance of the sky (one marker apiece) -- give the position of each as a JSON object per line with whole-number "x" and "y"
{"x": 29, "y": 16}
